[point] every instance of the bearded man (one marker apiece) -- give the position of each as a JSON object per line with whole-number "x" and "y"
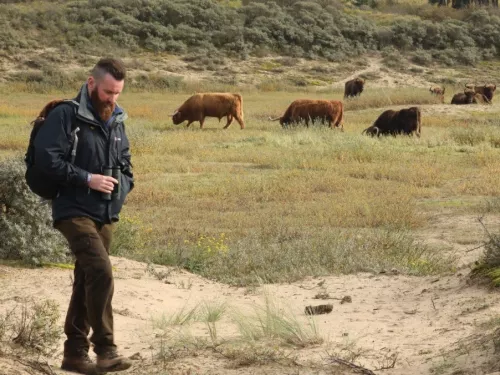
{"x": 92, "y": 189}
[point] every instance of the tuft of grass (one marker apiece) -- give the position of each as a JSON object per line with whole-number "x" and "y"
{"x": 274, "y": 323}
{"x": 36, "y": 327}
{"x": 184, "y": 316}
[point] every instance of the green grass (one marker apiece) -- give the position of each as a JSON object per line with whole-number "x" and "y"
{"x": 277, "y": 205}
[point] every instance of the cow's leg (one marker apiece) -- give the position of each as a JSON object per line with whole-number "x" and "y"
{"x": 240, "y": 121}
{"x": 189, "y": 123}
{"x": 229, "y": 121}
{"x": 202, "y": 120}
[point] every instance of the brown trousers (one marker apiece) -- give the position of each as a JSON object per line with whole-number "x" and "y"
{"x": 90, "y": 305}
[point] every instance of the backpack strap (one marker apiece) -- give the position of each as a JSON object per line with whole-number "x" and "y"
{"x": 74, "y": 130}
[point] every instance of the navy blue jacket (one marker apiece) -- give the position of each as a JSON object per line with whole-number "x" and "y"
{"x": 98, "y": 145}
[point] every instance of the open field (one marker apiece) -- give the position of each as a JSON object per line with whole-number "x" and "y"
{"x": 317, "y": 188}
{"x": 267, "y": 205}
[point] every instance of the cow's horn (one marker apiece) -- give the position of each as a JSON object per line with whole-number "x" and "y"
{"x": 173, "y": 114}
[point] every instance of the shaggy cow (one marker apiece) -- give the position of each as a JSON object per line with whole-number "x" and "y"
{"x": 219, "y": 105}
{"x": 466, "y": 97}
{"x": 486, "y": 90}
{"x": 436, "y": 90}
{"x": 405, "y": 121}
{"x": 331, "y": 111}
{"x": 354, "y": 87}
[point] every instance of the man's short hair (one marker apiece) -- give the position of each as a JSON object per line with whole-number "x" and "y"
{"x": 109, "y": 65}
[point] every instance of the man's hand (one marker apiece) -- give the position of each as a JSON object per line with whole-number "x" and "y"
{"x": 104, "y": 184}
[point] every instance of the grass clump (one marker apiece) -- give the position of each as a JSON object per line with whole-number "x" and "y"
{"x": 32, "y": 326}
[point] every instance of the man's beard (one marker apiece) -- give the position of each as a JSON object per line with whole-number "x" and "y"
{"x": 104, "y": 109}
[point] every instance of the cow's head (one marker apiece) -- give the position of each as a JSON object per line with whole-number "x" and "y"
{"x": 489, "y": 90}
{"x": 492, "y": 87}
{"x": 177, "y": 118}
{"x": 469, "y": 96}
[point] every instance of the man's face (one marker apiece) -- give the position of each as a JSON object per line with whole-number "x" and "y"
{"x": 104, "y": 93}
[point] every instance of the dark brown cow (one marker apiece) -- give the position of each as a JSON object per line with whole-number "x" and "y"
{"x": 219, "y": 105}
{"x": 466, "y": 97}
{"x": 331, "y": 111}
{"x": 354, "y": 87}
{"x": 405, "y": 121}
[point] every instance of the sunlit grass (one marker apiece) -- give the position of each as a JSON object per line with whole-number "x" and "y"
{"x": 311, "y": 183}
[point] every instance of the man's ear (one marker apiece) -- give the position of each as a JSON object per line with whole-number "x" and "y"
{"x": 91, "y": 83}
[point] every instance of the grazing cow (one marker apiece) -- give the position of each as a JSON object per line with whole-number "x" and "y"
{"x": 219, "y": 105}
{"x": 354, "y": 87}
{"x": 405, "y": 121}
{"x": 466, "y": 97}
{"x": 331, "y": 111}
{"x": 436, "y": 90}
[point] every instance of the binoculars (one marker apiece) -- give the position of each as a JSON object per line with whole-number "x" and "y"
{"x": 114, "y": 172}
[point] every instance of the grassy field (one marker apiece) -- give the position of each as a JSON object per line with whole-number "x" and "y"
{"x": 267, "y": 204}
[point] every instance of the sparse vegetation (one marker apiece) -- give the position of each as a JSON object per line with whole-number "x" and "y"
{"x": 260, "y": 340}
{"x": 32, "y": 326}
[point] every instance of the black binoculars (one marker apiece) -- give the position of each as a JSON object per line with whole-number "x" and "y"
{"x": 114, "y": 172}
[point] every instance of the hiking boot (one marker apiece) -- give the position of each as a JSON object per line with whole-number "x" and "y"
{"x": 111, "y": 361}
{"x": 80, "y": 363}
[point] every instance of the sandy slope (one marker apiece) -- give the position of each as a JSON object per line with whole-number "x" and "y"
{"x": 421, "y": 319}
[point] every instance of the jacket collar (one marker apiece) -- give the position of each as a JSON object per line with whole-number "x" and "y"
{"x": 86, "y": 113}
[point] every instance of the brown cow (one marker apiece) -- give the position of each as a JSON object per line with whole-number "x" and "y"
{"x": 354, "y": 87}
{"x": 486, "y": 90}
{"x": 331, "y": 111}
{"x": 436, "y": 90}
{"x": 219, "y": 105}
{"x": 466, "y": 97}
{"x": 405, "y": 121}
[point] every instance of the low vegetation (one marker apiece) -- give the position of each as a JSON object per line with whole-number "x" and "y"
{"x": 200, "y": 32}
{"x": 272, "y": 205}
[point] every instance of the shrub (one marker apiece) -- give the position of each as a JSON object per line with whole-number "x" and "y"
{"x": 25, "y": 220}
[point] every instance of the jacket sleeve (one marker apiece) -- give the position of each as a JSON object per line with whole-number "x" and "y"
{"x": 125, "y": 158}
{"x": 52, "y": 145}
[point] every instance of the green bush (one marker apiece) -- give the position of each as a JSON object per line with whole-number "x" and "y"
{"x": 25, "y": 220}
{"x": 308, "y": 29}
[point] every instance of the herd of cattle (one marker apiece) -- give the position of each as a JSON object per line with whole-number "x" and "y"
{"x": 405, "y": 121}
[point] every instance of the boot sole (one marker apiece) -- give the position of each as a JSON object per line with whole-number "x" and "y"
{"x": 93, "y": 371}
{"x": 114, "y": 368}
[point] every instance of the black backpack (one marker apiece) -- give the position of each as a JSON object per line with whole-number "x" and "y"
{"x": 38, "y": 182}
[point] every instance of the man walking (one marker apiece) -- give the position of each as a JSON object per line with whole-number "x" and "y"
{"x": 91, "y": 194}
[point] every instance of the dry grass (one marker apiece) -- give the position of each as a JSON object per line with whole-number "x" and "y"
{"x": 270, "y": 190}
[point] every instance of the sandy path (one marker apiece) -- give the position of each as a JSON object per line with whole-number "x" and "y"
{"x": 415, "y": 317}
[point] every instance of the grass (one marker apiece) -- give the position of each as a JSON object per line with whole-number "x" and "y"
{"x": 277, "y": 205}
{"x": 267, "y": 333}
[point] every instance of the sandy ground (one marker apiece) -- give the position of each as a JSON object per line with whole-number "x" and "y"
{"x": 425, "y": 321}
